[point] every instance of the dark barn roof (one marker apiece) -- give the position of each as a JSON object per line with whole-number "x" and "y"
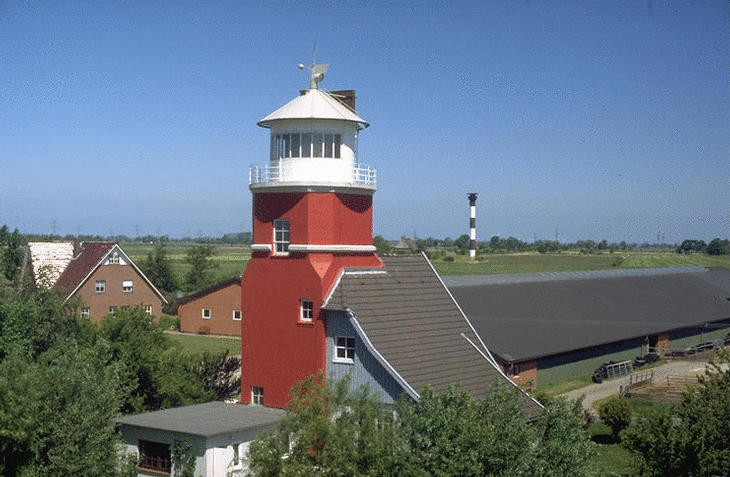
{"x": 213, "y": 288}
{"x": 412, "y": 321}
{"x": 523, "y": 319}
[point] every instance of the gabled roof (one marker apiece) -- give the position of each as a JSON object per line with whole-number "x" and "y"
{"x": 411, "y": 320}
{"x": 313, "y": 104}
{"x": 213, "y": 288}
{"x": 208, "y": 419}
{"x": 48, "y": 260}
{"x": 532, "y": 316}
{"x": 88, "y": 258}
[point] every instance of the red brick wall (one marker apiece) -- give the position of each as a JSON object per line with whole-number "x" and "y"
{"x": 114, "y": 275}
{"x": 221, "y": 302}
{"x": 527, "y": 377}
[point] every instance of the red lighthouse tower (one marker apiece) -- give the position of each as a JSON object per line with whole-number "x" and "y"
{"x": 312, "y": 217}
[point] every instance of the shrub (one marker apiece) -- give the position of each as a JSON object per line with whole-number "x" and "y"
{"x": 449, "y": 258}
{"x": 168, "y": 322}
{"x": 616, "y": 413}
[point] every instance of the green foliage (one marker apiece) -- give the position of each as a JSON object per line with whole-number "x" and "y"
{"x": 158, "y": 268}
{"x": 381, "y": 245}
{"x": 11, "y": 256}
{"x": 328, "y": 431}
{"x": 168, "y": 322}
{"x": 692, "y": 438}
{"x": 616, "y": 413}
{"x": 56, "y": 411}
{"x": 688, "y": 246}
{"x": 462, "y": 242}
{"x": 183, "y": 459}
{"x": 718, "y": 247}
{"x": 200, "y": 275}
{"x": 333, "y": 431}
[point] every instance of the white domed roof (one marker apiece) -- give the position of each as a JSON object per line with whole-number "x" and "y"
{"x": 313, "y": 104}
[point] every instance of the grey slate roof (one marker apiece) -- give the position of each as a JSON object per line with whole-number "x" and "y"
{"x": 208, "y": 419}
{"x": 412, "y": 321}
{"x": 528, "y": 319}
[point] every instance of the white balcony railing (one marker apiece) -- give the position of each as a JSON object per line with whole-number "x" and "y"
{"x": 284, "y": 173}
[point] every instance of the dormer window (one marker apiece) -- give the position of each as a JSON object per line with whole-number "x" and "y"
{"x": 296, "y": 145}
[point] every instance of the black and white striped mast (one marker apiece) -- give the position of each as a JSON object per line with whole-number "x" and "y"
{"x": 472, "y": 225}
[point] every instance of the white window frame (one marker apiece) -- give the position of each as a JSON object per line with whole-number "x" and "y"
{"x": 306, "y": 310}
{"x": 239, "y": 315}
{"x": 112, "y": 308}
{"x": 281, "y": 246}
{"x": 148, "y": 309}
{"x": 257, "y": 395}
{"x": 85, "y": 311}
{"x": 342, "y": 344}
{"x": 100, "y": 286}
{"x": 203, "y": 313}
{"x": 114, "y": 259}
{"x": 127, "y": 286}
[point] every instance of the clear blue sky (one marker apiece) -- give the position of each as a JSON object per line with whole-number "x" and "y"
{"x": 600, "y": 119}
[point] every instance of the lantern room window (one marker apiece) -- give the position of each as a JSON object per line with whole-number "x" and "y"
{"x": 297, "y": 145}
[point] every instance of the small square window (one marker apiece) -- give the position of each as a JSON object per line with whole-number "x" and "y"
{"x": 85, "y": 311}
{"x": 127, "y": 286}
{"x": 148, "y": 309}
{"x": 237, "y": 315}
{"x": 100, "y": 286}
{"x": 257, "y": 395}
{"x": 206, "y": 313}
{"x": 345, "y": 349}
{"x": 306, "y": 310}
{"x": 112, "y": 309}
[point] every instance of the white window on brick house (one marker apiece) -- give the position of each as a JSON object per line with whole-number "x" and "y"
{"x": 127, "y": 286}
{"x": 206, "y": 313}
{"x": 100, "y": 286}
{"x": 281, "y": 236}
{"x": 148, "y": 309}
{"x": 112, "y": 308}
{"x": 306, "y": 310}
{"x": 344, "y": 349}
{"x": 237, "y": 315}
{"x": 85, "y": 311}
{"x": 114, "y": 259}
{"x": 257, "y": 395}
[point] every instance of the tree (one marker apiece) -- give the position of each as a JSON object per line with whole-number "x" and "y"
{"x": 328, "y": 431}
{"x": 12, "y": 254}
{"x": 462, "y": 242}
{"x": 692, "y": 439}
{"x": 200, "y": 258}
{"x": 616, "y": 413}
{"x": 718, "y": 247}
{"x": 57, "y": 410}
{"x": 381, "y": 245}
{"x": 158, "y": 268}
{"x": 333, "y": 431}
{"x": 688, "y": 246}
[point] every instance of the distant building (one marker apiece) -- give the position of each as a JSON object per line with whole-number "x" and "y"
{"x": 100, "y": 274}
{"x": 405, "y": 244}
{"x": 215, "y": 310}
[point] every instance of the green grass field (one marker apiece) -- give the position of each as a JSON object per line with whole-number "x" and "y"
{"x": 562, "y": 262}
{"x": 191, "y": 344}
{"x": 232, "y": 259}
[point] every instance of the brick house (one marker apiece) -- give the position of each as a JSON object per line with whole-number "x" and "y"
{"x": 215, "y": 310}
{"x": 100, "y": 274}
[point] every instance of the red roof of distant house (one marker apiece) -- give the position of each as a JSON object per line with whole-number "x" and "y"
{"x": 85, "y": 261}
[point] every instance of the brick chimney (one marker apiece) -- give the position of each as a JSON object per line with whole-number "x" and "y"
{"x": 346, "y": 97}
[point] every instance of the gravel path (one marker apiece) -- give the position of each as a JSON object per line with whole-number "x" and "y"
{"x": 594, "y": 392}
